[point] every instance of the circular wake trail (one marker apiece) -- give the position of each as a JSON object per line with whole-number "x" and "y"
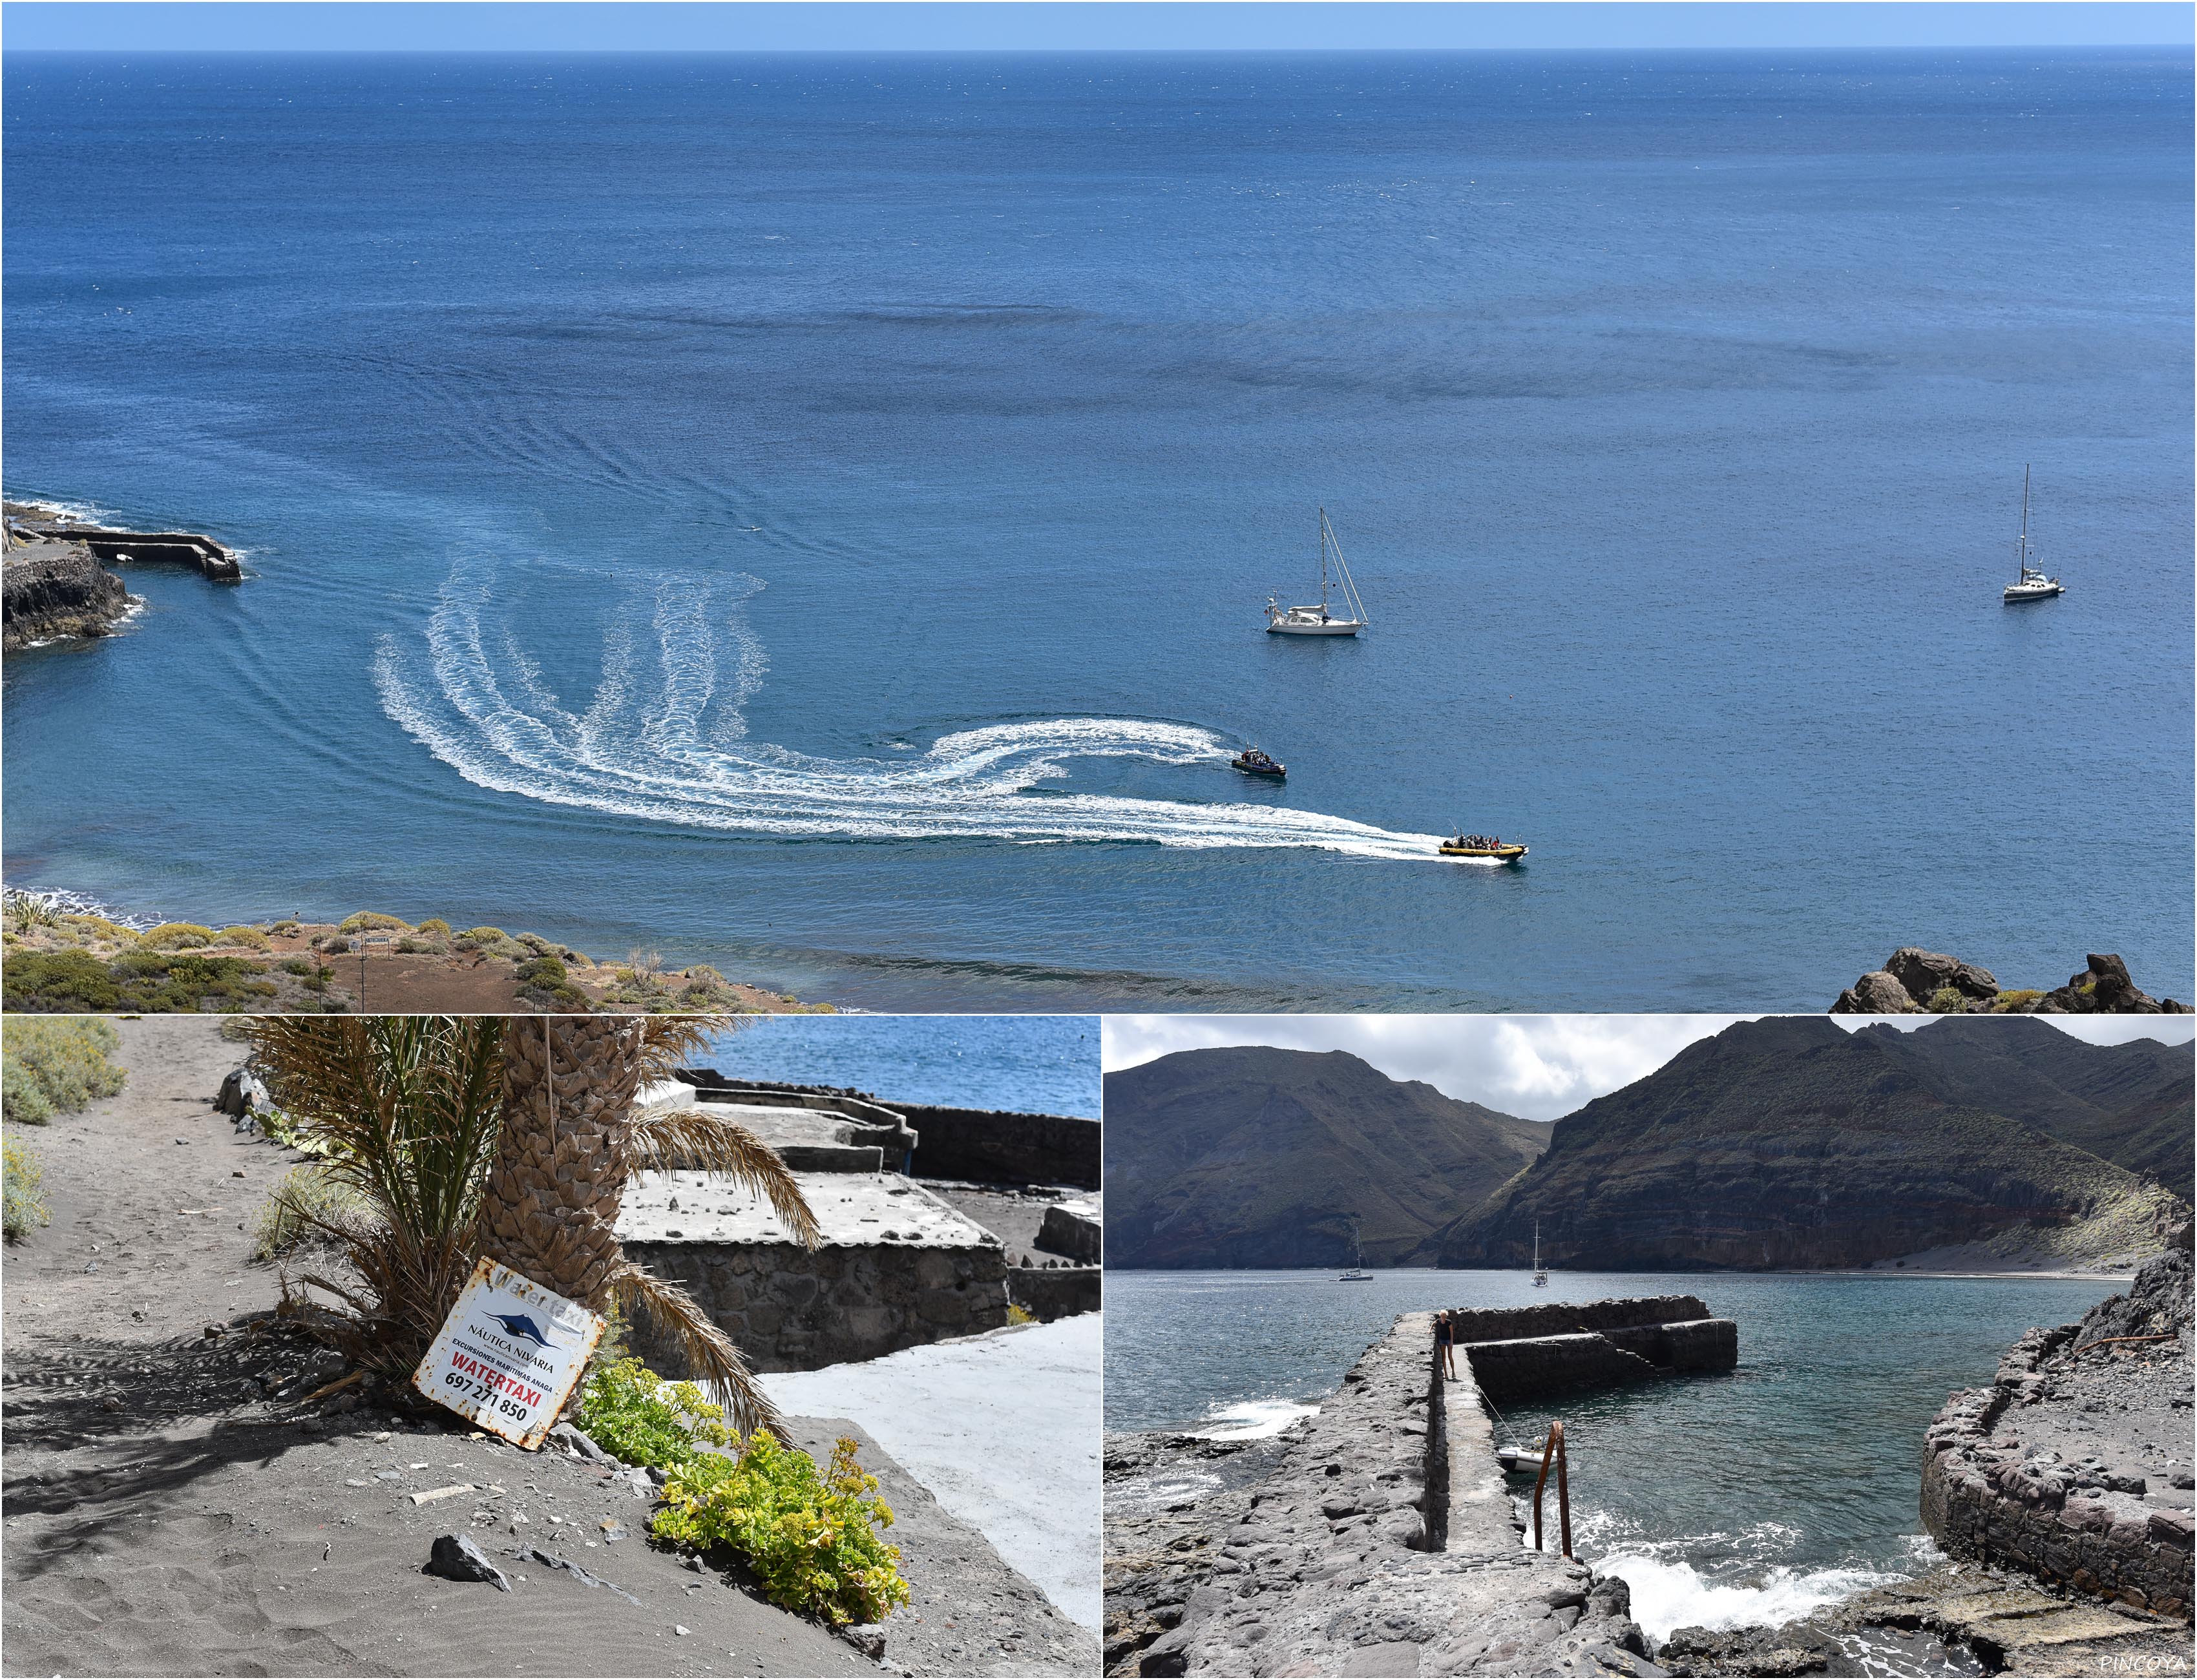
{"x": 664, "y": 739}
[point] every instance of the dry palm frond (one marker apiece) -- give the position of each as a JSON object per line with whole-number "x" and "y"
{"x": 710, "y": 1358}
{"x": 409, "y": 1107}
{"x": 691, "y": 1140}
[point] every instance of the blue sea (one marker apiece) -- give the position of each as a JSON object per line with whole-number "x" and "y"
{"x": 1030, "y": 1064}
{"x": 1752, "y": 1496}
{"x": 813, "y": 514}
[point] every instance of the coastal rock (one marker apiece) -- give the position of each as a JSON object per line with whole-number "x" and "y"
{"x": 52, "y": 591}
{"x": 1923, "y": 973}
{"x": 1931, "y": 981}
{"x": 2063, "y": 1467}
{"x": 1878, "y": 992}
{"x": 1769, "y": 1654}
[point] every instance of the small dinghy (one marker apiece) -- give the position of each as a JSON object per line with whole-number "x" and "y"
{"x": 1253, "y": 762}
{"x": 1482, "y": 846}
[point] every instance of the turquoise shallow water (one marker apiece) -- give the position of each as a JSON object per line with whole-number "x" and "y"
{"x": 812, "y": 514}
{"x": 1746, "y": 1497}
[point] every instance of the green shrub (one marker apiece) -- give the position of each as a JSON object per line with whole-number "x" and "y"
{"x": 297, "y": 965}
{"x": 628, "y": 1410}
{"x": 176, "y": 936}
{"x": 251, "y": 938}
{"x": 286, "y": 927}
{"x": 369, "y": 920}
{"x": 159, "y": 983}
{"x": 814, "y": 1539}
{"x": 434, "y": 927}
{"x": 540, "y": 971}
{"x": 57, "y": 1067}
{"x": 486, "y": 935}
{"x": 307, "y": 1200}
{"x": 22, "y": 1099}
{"x": 58, "y": 982}
{"x": 2006, "y": 1001}
{"x": 1947, "y": 1000}
{"x": 22, "y": 1207}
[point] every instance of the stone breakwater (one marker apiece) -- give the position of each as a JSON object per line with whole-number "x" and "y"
{"x": 2074, "y": 1465}
{"x": 1343, "y": 1561}
{"x": 1915, "y": 981}
{"x": 1522, "y": 1352}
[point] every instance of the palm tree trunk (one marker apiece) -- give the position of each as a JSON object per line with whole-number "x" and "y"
{"x": 552, "y": 1196}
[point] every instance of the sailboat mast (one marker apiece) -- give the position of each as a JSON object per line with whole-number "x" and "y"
{"x": 1323, "y": 562}
{"x": 2025, "y": 516}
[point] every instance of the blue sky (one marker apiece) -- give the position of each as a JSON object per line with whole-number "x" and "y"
{"x": 1073, "y": 24}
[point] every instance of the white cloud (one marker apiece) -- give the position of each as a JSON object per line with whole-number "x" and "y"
{"x": 1539, "y": 1066}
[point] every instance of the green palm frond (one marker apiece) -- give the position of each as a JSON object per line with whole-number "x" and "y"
{"x": 694, "y": 1141}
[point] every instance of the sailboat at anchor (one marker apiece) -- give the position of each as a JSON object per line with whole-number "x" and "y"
{"x": 1540, "y": 1272}
{"x": 1358, "y": 1273}
{"x": 1347, "y": 618}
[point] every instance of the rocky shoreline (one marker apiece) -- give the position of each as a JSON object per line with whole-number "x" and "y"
{"x": 2074, "y": 1465}
{"x": 54, "y": 591}
{"x": 1915, "y": 981}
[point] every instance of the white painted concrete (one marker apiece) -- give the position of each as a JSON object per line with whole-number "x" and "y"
{"x": 1004, "y": 1429}
{"x": 854, "y": 1209}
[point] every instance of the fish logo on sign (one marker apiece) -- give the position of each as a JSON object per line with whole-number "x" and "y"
{"x": 521, "y": 1327}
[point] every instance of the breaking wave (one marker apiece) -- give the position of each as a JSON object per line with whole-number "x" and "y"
{"x": 664, "y": 738}
{"x": 1669, "y": 1593}
{"x": 1251, "y": 1420}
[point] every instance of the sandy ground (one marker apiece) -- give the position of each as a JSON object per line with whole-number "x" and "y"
{"x": 166, "y": 1512}
{"x": 1004, "y": 1428}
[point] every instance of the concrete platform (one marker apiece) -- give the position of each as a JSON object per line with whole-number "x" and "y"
{"x": 1003, "y": 1429}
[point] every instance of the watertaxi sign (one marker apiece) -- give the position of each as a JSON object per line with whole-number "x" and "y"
{"x": 509, "y": 1354}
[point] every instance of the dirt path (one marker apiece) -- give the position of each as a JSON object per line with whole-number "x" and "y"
{"x": 166, "y": 1512}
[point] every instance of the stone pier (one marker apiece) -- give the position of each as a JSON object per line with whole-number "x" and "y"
{"x": 1382, "y": 1544}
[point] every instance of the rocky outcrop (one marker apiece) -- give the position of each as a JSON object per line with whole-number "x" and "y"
{"x": 1790, "y": 1143}
{"x": 1253, "y": 1156}
{"x": 1919, "y": 981}
{"x": 56, "y": 591}
{"x": 1340, "y": 1561}
{"x": 2073, "y": 1466}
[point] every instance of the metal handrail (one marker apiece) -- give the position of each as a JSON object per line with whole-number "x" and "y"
{"x": 1553, "y": 1450}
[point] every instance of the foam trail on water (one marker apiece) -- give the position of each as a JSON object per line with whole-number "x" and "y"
{"x": 663, "y": 739}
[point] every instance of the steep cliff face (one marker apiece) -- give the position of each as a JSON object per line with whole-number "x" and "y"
{"x": 1261, "y": 1157}
{"x": 2130, "y": 1104}
{"x": 50, "y": 590}
{"x": 1787, "y": 1143}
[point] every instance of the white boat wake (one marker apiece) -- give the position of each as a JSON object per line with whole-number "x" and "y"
{"x": 664, "y": 739}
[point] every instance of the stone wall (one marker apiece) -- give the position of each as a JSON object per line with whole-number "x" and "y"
{"x": 997, "y": 1147}
{"x": 2007, "y": 1479}
{"x": 786, "y": 1307}
{"x": 1058, "y": 1293}
{"x": 1561, "y": 1318}
{"x": 1520, "y": 1353}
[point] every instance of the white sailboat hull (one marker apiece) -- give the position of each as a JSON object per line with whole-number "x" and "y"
{"x": 2032, "y": 591}
{"x": 1332, "y": 627}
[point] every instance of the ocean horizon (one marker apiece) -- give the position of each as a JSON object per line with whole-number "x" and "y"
{"x": 812, "y": 515}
